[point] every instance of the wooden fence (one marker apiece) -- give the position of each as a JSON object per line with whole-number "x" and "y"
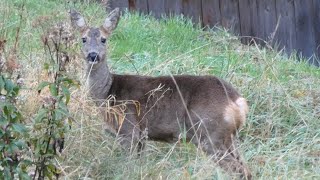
{"x": 290, "y": 24}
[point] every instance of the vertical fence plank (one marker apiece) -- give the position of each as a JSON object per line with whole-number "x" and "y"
{"x": 157, "y": 7}
{"x": 192, "y": 10}
{"x": 230, "y": 15}
{"x": 286, "y": 33}
{"x": 267, "y": 19}
{"x": 248, "y": 20}
{"x": 304, "y": 27}
{"x": 122, "y": 4}
{"x": 173, "y": 7}
{"x": 211, "y": 15}
{"x": 245, "y": 20}
{"x": 140, "y": 5}
{"x": 316, "y": 25}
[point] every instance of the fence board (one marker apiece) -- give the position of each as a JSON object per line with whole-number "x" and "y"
{"x": 122, "y": 4}
{"x": 211, "y": 15}
{"x": 304, "y": 27}
{"x": 157, "y": 7}
{"x": 267, "y": 19}
{"x": 230, "y": 15}
{"x": 173, "y": 7}
{"x": 248, "y": 20}
{"x": 286, "y": 32}
{"x": 316, "y": 24}
{"x": 192, "y": 10}
{"x": 141, "y": 6}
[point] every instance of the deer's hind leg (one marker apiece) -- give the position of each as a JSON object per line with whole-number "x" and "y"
{"x": 217, "y": 139}
{"x": 224, "y": 152}
{"x": 230, "y": 158}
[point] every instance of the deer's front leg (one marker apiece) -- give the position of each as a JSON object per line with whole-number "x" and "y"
{"x": 129, "y": 132}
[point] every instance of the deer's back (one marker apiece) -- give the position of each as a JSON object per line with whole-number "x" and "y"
{"x": 166, "y": 104}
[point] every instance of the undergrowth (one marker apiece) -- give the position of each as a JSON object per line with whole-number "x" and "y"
{"x": 281, "y": 138}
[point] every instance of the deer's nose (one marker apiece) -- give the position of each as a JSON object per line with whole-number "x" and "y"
{"x": 93, "y": 56}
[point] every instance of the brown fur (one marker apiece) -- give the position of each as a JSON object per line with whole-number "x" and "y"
{"x": 206, "y": 108}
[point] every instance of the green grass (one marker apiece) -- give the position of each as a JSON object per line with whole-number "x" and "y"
{"x": 281, "y": 138}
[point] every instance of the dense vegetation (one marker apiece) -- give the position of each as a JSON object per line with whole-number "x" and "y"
{"x": 281, "y": 138}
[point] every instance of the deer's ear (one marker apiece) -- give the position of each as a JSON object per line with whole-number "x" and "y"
{"x": 77, "y": 20}
{"x": 111, "y": 21}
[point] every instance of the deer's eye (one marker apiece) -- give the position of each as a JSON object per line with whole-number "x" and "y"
{"x": 103, "y": 40}
{"x": 84, "y": 40}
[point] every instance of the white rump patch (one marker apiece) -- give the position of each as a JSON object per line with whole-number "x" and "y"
{"x": 243, "y": 106}
{"x": 235, "y": 113}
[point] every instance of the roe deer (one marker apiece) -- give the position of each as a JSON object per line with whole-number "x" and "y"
{"x": 209, "y": 109}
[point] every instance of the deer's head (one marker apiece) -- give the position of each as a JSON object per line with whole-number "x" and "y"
{"x": 94, "y": 39}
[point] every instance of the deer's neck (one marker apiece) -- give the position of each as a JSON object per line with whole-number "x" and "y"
{"x": 100, "y": 81}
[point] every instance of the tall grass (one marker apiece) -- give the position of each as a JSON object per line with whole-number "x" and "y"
{"x": 281, "y": 138}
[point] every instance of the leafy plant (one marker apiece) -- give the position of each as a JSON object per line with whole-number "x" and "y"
{"x": 12, "y": 133}
{"x": 49, "y": 126}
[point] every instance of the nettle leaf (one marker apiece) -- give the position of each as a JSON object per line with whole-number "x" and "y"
{"x": 7, "y": 173}
{"x": 2, "y": 145}
{"x": 58, "y": 115}
{"x": 12, "y": 148}
{"x": 19, "y": 128}
{"x": 42, "y": 113}
{"x": 48, "y": 173}
{"x": 16, "y": 116}
{"x": 65, "y": 79}
{"x": 3, "y": 122}
{"x": 69, "y": 82}
{"x": 20, "y": 144}
{"x": 51, "y": 167}
{"x": 9, "y": 85}
{"x": 46, "y": 66}
{"x": 63, "y": 107}
{"x": 1, "y": 83}
{"x": 53, "y": 90}
{"x": 2, "y": 132}
{"x": 66, "y": 93}
{"x": 16, "y": 90}
{"x": 7, "y": 110}
{"x": 42, "y": 85}
{"x": 23, "y": 174}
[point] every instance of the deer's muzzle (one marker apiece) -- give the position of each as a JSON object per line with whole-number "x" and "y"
{"x": 93, "y": 58}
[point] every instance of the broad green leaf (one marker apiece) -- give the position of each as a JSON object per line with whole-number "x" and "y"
{"x": 23, "y": 175}
{"x": 2, "y": 145}
{"x": 12, "y": 148}
{"x": 46, "y": 66}
{"x": 20, "y": 144}
{"x": 7, "y": 174}
{"x": 53, "y": 90}
{"x": 63, "y": 107}
{"x": 42, "y": 113}
{"x": 9, "y": 85}
{"x": 42, "y": 85}
{"x": 16, "y": 90}
{"x": 19, "y": 128}
{"x": 3, "y": 122}
{"x": 7, "y": 110}
{"x": 66, "y": 93}
{"x": 1, "y": 83}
